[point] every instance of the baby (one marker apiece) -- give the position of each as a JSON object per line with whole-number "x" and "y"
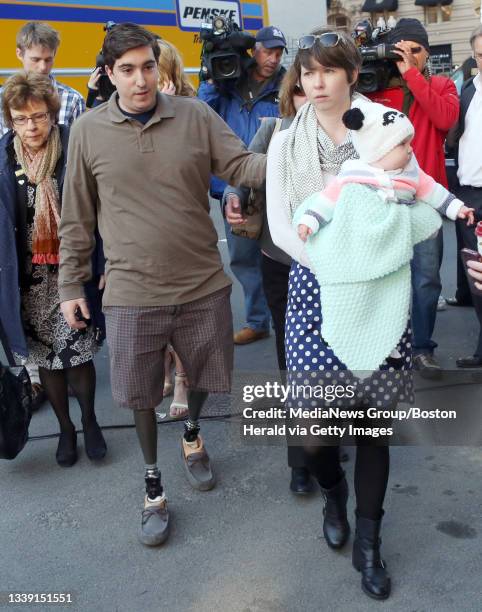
{"x": 382, "y": 138}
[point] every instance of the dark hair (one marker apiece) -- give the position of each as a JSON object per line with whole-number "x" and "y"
{"x": 22, "y": 87}
{"x": 124, "y": 37}
{"x": 343, "y": 55}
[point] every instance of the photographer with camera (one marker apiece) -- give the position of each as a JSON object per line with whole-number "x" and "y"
{"x": 242, "y": 102}
{"x": 432, "y": 105}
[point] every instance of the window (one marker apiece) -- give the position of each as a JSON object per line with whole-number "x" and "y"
{"x": 339, "y": 21}
{"x": 437, "y": 14}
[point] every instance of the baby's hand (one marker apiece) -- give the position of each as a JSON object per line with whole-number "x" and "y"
{"x": 304, "y": 231}
{"x": 466, "y": 213}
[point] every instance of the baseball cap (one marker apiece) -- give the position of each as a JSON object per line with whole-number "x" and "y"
{"x": 271, "y": 37}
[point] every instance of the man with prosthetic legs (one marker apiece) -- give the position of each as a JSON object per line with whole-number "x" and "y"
{"x": 139, "y": 169}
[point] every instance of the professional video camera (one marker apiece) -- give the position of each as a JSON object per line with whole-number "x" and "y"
{"x": 104, "y": 84}
{"x": 224, "y": 52}
{"x": 378, "y": 57}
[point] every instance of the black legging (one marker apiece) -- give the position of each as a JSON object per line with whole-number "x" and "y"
{"x": 372, "y": 467}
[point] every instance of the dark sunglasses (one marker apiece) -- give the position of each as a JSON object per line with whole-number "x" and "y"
{"x": 327, "y": 39}
{"x": 297, "y": 91}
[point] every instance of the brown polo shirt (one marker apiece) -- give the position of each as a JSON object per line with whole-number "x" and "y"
{"x": 146, "y": 187}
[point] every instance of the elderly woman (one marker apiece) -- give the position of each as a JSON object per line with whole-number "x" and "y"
{"x": 32, "y": 165}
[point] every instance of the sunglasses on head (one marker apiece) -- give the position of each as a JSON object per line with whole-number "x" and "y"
{"x": 327, "y": 39}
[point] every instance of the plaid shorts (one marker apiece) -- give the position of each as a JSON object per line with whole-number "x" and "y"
{"x": 201, "y": 333}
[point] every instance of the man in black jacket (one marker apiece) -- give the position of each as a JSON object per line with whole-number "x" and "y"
{"x": 466, "y": 138}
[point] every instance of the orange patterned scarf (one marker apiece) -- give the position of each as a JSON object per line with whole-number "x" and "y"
{"x": 39, "y": 168}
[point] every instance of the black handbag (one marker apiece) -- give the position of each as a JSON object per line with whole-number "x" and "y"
{"x": 15, "y": 404}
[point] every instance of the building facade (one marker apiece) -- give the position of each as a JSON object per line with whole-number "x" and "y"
{"x": 448, "y": 23}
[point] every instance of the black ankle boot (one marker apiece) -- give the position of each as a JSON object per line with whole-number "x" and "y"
{"x": 94, "y": 442}
{"x": 366, "y": 559}
{"x": 336, "y": 528}
{"x": 66, "y": 454}
{"x": 301, "y": 483}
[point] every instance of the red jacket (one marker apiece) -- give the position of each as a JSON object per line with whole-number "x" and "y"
{"x": 434, "y": 111}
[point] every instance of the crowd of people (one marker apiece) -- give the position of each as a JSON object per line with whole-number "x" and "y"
{"x": 122, "y": 246}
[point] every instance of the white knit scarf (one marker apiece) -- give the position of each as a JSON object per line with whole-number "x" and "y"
{"x": 305, "y": 154}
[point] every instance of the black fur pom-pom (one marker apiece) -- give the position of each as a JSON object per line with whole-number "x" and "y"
{"x": 353, "y": 119}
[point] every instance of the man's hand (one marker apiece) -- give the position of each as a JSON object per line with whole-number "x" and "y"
{"x": 466, "y": 213}
{"x": 69, "y": 309}
{"x": 408, "y": 59}
{"x": 232, "y": 210}
{"x": 304, "y": 231}
{"x": 475, "y": 270}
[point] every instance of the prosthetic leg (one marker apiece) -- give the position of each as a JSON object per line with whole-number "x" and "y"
{"x": 194, "y": 455}
{"x": 155, "y": 516}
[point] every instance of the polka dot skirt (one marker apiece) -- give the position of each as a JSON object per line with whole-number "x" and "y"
{"x": 311, "y": 361}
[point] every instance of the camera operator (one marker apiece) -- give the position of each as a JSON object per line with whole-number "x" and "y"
{"x": 242, "y": 103}
{"x": 432, "y": 105}
{"x": 465, "y": 137}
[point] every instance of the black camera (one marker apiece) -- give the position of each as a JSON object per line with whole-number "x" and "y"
{"x": 104, "y": 84}
{"x": 225, "y": 48}
{"x": 378, "y": 57}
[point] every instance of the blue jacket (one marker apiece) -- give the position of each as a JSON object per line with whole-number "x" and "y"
{"x": 9, "y": 272}
{"x": 242, "y": 116}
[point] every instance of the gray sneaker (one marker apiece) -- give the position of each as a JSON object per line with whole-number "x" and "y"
{"x": 197, "y": 466}
{"x": 155, "y": 522}
{"x": 428, "y": 367}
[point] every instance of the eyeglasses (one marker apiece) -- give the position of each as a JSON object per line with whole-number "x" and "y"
{"x": 327, "y": 39}
{"x": 35, "y": 119}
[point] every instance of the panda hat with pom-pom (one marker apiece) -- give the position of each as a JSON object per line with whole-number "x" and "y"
{"x": 376, "y": 129}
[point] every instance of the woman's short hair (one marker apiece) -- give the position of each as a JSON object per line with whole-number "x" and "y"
{"x": 343, "y": 55}
{"x": 289, "y": 84}
{"x": 171, "y": 68}
{"x": 124, "y": 37}
{"x": 23, "y": 87}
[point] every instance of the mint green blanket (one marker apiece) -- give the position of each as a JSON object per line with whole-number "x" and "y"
{"x": 361, "y": 260}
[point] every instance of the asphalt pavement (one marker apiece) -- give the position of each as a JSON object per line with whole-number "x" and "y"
{"x": 248, "y": 545}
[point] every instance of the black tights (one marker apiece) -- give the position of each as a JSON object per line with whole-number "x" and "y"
{"x": 82, "y": 380}
{"x": 371, "y": 474}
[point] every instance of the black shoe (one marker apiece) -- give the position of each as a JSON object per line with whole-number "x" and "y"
{"x": 469, "y": 362}
{"x": 94, "y": 442}
{"x": 66, "y": 454}
{"x": 428, "y": 367}
{"x": 453, "y": 301}
{"x": 336, "y": 528}
{"x": 366, "y": 559}
{"x": 301, "y": 482}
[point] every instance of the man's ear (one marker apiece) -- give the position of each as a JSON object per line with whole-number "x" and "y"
{"x": 110, "y": 74}
{"x": 19, "y": 53}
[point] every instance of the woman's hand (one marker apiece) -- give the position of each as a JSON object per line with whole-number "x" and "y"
{"x": 94, "y": 79}
{"x": 232, "y": 210}
{"x": 466, "y": 213}
{"x": 168, "y": 88}
{"x": 475, "y": 270}
{"x": 101, "y": 282}
{"x": 304, "y": 231}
